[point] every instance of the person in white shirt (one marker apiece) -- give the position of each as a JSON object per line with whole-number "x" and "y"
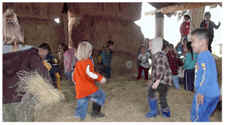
{"x": 143, "y": 64}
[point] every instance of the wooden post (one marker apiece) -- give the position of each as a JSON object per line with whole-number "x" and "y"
{"x": 159, "y": 21}
{"x": 196, "y": 17}
{"x": 65, "y": 26}
{"x": 71, "y": 22}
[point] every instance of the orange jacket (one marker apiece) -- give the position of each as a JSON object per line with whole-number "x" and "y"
{"x": 85, "y": 85}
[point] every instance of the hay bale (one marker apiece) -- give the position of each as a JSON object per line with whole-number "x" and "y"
{"x": 219, "y": 69}
{"x": 39, "y": 95}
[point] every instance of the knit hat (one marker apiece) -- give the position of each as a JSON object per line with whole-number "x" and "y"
{"x": 157, "y": 45}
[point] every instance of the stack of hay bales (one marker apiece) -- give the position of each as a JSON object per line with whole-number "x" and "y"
{"x": 101, "y": 22}
{"x": 39, "y": 96}
{"x": 219, "y": 73}
{"x": 219, "y": 69}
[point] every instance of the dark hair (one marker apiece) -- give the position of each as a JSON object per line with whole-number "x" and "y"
{"x": 45, "y": 46}
{"x": 201, "y": 33}
{"x": 187, "y": 16}
{"x": 165, "y": 44}
{"x": 64, "y": 46}
{"x": 190, "y": 49}
{"x": 171, "y": 45}
{"x": 139, "y": 49}
{"x": 110, "y": 42}
{"x": 207, "y": 14}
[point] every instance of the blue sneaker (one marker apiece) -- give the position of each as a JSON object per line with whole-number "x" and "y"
{"x": 166, "y": 112}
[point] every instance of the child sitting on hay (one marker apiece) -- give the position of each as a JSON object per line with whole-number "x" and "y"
{"x": 86, "y": 89}
{"x": 207, "y": 91}
{"x": 50, "y": 63}
{"x": 161, "y": 78}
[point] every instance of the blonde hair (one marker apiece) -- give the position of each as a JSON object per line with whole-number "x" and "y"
{"x": 84, "y": 50}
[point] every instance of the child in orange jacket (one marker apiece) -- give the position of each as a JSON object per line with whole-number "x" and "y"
{"x": 84, "y": 77}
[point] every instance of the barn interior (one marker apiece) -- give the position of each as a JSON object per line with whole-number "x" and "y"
{"x": 70, "y": 23}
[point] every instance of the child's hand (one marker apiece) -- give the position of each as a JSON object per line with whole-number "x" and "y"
{"x": 200, "y": 99}
{"x": 103, "y": 81}
{"x": 156, "y": 84}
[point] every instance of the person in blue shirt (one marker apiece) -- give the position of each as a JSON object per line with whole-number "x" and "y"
{"x": 107, "y": 59}
{"x": 207, "y": 91}
{"x": 189, "y": 68}
{"x": 50, "y": 62}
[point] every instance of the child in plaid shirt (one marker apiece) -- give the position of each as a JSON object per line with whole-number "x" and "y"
{"x": 161, "y": 79}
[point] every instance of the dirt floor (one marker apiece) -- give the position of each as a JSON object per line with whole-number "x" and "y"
{"x": 126, "y": 102}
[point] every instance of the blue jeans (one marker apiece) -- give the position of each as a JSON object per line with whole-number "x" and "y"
{"x": 176, "y": 81}
{"x": 82, "y": 104}
{"x": 107, "y": 71}
{"x": 68, "y": 75}
{"x": 202, "y": 112}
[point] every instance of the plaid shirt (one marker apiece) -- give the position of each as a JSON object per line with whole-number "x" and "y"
{"x": 161, "y": 69}
{"x": 174, "y": 62}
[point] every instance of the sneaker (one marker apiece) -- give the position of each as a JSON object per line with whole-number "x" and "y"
{"x": 78, "y": 117}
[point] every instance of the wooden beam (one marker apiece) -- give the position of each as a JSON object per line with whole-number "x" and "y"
{"x": 185, "y": 6}
{"x": 181, "y": 7}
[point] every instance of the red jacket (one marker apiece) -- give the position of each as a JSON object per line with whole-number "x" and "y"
{"x": 85, "y": 85}
{"x": 185, "y": 28}
{"x": 174, "y": 62}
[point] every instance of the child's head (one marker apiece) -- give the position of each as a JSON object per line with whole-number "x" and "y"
{"x": 207, "y": 16}
{"x": 171, "y": 47}
{"x": 84, "y": 50}
{"x": 156, "y": 45}
{"x": 165, "y": 46}
{"x": 142, "y": 49}
{"x": 200, "y": 39}
{"x": 187, "y": 17}
{"x": 63, "y": 46}
{"x": 110, "y": 44}
{"x": 43, "y": 50}
{"x": 188, "y": 45}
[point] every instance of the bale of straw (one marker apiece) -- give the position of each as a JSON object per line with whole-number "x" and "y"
{"x": 219, "y": 69}
{"x": 39, "y": 95}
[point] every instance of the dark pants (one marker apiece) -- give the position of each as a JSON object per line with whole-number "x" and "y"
{"x": 189, "y": 77}
{"x": 162, "y": 89}
{"x": 140, "y": 69}
{"x": 210, "y": 43}
{"x": 107, "y": 71}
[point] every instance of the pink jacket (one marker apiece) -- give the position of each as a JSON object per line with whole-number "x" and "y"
{"x": 68, "y": 59}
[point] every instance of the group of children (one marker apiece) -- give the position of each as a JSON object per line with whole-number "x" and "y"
{"x": 200, "y": 75}
{"x": 206, "y": 85}
{"x": 199, "y": 65}
{"x": 79, "y": 67}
